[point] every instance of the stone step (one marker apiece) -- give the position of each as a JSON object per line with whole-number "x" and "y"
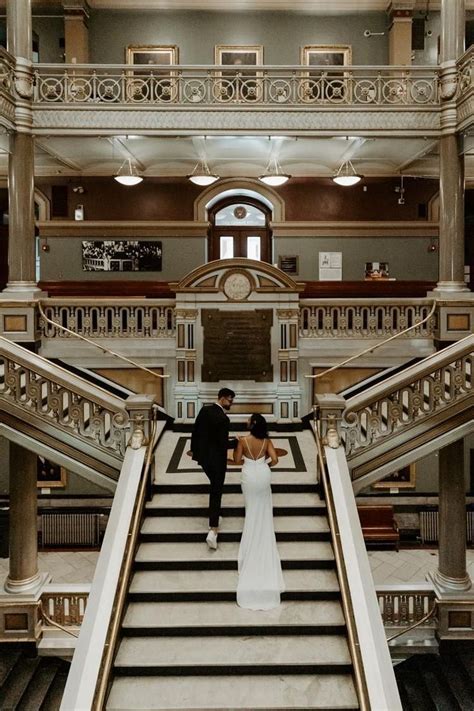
{"x": 167, "y": 585}
{"x": 245, "y": 655}
{"x": 231, "y": 524}
{"x": 232, "y": 477}
{"x": 291, "y": 500}
{"x": 187, "y": 552}
{"x": 214, "y": 618}
{"x": 198, "y": 693}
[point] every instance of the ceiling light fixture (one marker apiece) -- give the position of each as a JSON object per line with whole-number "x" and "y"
{"x": 128, "y": 174}
{"x": 201, "y": 174}
{"x": 274, "y": 175}
{"x": 346, "y": 175}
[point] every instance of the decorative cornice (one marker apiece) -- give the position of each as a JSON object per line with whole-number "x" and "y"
{"x": 387, "y": 228}
{"x": 103, "y": 228}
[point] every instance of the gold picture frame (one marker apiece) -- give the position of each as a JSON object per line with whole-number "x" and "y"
{"x": 50, "y": 475}
{"x": 330, "y": 55}
{"x": 151, "y": 80}
{"x": 244, "y": 88}
{"x": 404, "y": 478}
{"x": 325, "y": 85}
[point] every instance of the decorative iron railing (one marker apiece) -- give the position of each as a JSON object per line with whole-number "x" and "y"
{"x": 421, "y": 391}
{"x": 347, "y": 318}
{"x": 406, "y": 605}
{"x": 137, "y": 318}
{"x": 276, "y": 86}
{"x": 465, "y": 69}
{"x": 32, "y": 386}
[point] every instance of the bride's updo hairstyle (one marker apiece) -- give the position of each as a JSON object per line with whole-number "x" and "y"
{"x": 258, "y": 426}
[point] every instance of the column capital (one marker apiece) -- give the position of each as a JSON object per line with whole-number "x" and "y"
{"x": 400, "y": 10}
{"x": 76, "y": 8}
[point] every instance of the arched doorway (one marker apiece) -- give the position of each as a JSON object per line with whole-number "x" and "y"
{"x": 240, "y": 227}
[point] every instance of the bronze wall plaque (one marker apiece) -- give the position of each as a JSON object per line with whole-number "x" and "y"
{"x": 237, "y": 345}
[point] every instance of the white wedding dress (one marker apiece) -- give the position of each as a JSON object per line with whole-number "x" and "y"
{"x": 260, "y": 577}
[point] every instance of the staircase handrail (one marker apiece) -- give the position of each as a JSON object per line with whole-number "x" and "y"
{"x": 372, "y": 647}
{"x": 354, "y": 647}
{"x": 412, "y": 373}
{"x": 100, "y": 346}
{"x": 88, "y": 676}
{"x": 316, "y": 376}
{"x": 68, "y": 397}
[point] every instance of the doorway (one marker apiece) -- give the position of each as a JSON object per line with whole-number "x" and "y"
{"x": 240, "y": 227}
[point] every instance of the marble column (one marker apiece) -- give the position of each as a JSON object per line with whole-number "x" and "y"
{"x": 399, "y": 34}
{"x": 23, "y": 575}
{"x": 451, "y": 576}
{"x": 21, "y": 242}
{"x": 451, "y": 177}
{"x": 76, "y": 31}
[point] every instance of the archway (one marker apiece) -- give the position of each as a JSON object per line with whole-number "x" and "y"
{"x": 239, "y": 226}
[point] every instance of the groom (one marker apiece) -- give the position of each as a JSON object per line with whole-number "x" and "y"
{"x": 209, "y": 445}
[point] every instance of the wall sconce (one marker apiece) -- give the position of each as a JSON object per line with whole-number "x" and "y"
{"x": 45, "y": 246}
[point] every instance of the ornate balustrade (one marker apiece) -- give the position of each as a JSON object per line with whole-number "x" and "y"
{"x": 277, "y": 86}
{"x": 32, "y": 387}
{"x": 65, "y": 604}
{"x": 137, "y": 318}
{"x": 461, "y": 88}
{"x": 7, "y": 84}
{"x": 440, "y": 382}
{"x": 346, "y": 318}
{"x": 402, "y": 606}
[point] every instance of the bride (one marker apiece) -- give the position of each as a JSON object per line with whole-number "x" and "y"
{"x": 260, "y": 576}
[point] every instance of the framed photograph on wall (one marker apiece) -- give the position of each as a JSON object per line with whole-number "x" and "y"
{"x": 121, "y": 256}
{"x": 49, "y": 475}
{"x": 237, "y": 85}
{"x": 325, "y": 84}
{"x": 288, "y": 264}
{"x": 404, "y": 478}
{"x": 153, "y": 81}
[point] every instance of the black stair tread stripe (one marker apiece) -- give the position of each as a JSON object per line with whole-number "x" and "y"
{"x": 224, "y": 669}
{"x": 17, "y": 681}
{"x": 223, "y": 564}
{"x": 39, "y": 685}
{"x": 231, "y": 536}
{"x": 226, "y": 596}
{"x": 329, "y": 629}
{"x": 234, "y": 511}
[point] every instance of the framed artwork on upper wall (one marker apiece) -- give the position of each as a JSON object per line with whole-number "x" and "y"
{"x": 245, "y": 87}
{"x": 49, "y": 475}
{"x": 404, "y": 478}
{"x": 155, "y": 81}
{"x": 327, "y": 84}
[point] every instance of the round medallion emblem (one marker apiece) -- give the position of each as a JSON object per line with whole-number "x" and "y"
{"x": 237, "y": 286}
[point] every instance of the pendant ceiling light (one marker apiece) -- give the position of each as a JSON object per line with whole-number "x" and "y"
{"x": 274, "y": 175}
{"x": 201, "y": 174}
{"x": 346, "y": 175}
{"x": 128, "y": 173}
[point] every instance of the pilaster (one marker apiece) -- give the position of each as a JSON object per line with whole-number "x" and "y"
{"x": 399, "y": 34}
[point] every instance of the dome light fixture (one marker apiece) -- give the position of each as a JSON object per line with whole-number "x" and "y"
{"x": 201, "y": 174}
{"x": 128, "y": 174}
{"x": 346, "y": 175}
{"x": 273, "y": 175}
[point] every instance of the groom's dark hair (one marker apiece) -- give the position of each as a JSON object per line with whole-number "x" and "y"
{"x": 225, "y": 392}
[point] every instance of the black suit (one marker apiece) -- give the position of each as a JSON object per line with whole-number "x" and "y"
{"x": 209, "y": 443}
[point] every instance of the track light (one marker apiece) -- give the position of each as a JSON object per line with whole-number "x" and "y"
{"x": 201, "y": 174}
{"x": 346, "y": 175}
{"x": 128, "y": 174}
{"x": 274, "y": 175}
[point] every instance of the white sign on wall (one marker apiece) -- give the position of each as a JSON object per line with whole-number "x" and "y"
{"x": 330, "y": 266}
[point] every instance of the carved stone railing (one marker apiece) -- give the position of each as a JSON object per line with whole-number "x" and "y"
{"x": 65, "y": 604}
{"x": 276, "y": 86}
{"x": 404, "y": 403}
{"x": 404, "y": 605}
{"x": 39, "y": 392}
{"x": 114, "y": 318}
{"x": 7, "y": 83}
{"x": 362, "y": 318}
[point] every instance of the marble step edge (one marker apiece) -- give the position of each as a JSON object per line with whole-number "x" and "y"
{"x": 225, "y": 595}
{"x": 239, "y": 630}
{"x": 230, "y": 564}
{"x": 230, "y": 536}
{"x": 226, "y": 669}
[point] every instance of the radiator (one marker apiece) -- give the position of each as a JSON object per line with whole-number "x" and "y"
{"x": 70, "y": 529}
{"x": 429, "y": 526}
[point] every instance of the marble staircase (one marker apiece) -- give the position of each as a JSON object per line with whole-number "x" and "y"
{"x": 185, "y": 644}
{"x": 29, "y": 682}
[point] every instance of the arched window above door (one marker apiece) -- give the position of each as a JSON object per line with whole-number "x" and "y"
{"x": 239, "y": 227}
{"x": 240, "y": 215}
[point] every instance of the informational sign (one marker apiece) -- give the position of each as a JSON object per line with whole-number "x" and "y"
{"x": 330, "y": 266}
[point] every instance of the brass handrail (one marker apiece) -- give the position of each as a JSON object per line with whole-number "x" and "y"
{"x": 97, "y": 345}
{"x": 353, "y": 641}
{"x": 124, "y": 578}
{"x": 377, "y": 345}
{"x": 416, "y": 624}
{"x": 50, "y": 621}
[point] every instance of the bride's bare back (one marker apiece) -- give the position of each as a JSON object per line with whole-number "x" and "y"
{"x": 255, "y": 448}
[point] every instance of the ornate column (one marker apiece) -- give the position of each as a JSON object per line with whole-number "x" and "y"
{"x": 21, "y": 245}
{"x": 399, "y": 34}
{"x": 23, "y": 575}
{"x": 451, "y": 177}
{"x": 76, "y": 31}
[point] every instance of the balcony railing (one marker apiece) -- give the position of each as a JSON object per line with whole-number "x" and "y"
{"x": 216, "y": 85}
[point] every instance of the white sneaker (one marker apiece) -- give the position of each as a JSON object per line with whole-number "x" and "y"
{"x": 211, "y": 540}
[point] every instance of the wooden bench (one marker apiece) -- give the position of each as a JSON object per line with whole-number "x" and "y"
{"x": 378, "y": 524}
